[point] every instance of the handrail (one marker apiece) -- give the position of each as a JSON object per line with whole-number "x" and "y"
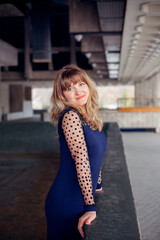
{"x": 116, "y": 214}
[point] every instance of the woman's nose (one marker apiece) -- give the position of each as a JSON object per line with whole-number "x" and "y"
{"x": 78, "y": 91}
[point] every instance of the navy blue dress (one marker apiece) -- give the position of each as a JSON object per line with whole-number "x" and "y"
{"x": 72, "y": 193}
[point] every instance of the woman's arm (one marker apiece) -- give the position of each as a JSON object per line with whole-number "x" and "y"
{"x": 74, "y": 135}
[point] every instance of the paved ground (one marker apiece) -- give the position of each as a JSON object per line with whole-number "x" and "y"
{"x": 143, "y": 159}
{"x": 24, "y": 182}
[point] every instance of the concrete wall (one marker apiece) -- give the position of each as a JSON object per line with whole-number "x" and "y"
{"x": 128, "y": 119}
{"x": 157, "y": 89}
{"x": 27, "y": 105}
{"x": 132, "y": 119}
{"x": 5, "y": 108}
{"x": 150, "y": 88}
{"x": 26, "y": 113}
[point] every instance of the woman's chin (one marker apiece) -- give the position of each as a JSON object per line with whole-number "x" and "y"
{"x": 82, "y": 102}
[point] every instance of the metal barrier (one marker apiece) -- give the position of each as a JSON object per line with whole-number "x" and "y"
{"x": 133, "y": 102}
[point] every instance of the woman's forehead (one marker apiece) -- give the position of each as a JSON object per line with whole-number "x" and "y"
{"x": 71, "y": 81}
{"x": 75, "y": 82}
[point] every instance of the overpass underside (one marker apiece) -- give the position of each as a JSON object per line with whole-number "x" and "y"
{"x": 116, "y": 42}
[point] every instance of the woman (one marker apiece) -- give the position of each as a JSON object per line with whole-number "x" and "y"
{"x": 70, "y": 200}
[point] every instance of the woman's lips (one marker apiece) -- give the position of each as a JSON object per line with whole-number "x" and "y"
{"x": 80, "y": 97}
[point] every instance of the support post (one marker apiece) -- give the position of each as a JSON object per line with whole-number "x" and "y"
{"x": 27, "y": 63}
{"x": 41, "y": 33}
{"x": 73, "y": 50}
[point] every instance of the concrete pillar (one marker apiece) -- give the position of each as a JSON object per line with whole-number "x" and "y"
{"x": 138, "y": 93}
{"x": 50, "y": 66}
{"x": 41, "y": 33}
{"x": 73, "y": 50}
{"x": 0, "y": 97}
{"x": 157, "y": 89}
{"x": 27, "y": 33}
{"x": 148, "y": 90}
{"x": 16, "y": 97}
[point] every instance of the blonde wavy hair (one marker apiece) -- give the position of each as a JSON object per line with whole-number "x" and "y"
{"x": 73, "y": 74}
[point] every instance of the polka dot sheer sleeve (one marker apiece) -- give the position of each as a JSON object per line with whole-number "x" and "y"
{"x": 74, "y": 135}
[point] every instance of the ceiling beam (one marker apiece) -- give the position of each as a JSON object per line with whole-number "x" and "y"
{"x": 37, "y": 76}
{"x": 108, "y": 33}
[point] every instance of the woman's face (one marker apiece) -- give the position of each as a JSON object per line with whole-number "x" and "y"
{"x": 77, "y": 93}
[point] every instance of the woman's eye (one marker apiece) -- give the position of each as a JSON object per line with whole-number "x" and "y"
{"x": 69, "y": 89}
{"x": 81, "y": 84}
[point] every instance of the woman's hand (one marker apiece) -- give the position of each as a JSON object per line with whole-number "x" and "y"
{"x": 99, "y": 189}
{"x": 88, "y": 217}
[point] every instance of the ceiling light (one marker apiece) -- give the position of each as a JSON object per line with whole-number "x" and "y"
{"x": 136, "y": 35}
{"x": 113, "y": 72}
{"x": 113, "y": 57}
{"x": 78, "y": 37}
{"x": 113, "y": 66}
{"x": 94, "y": 65}
{"x": 132, "y": 51}
{"x": 134, "y": 41}
{"x": 113, "y": 76}
{"x": 141, "y": 19}
{"x": 88, "y": 55}
{"x": 145, "y": 7}
{"x": 133, "y": 46}
{"x": 139, "y": 28}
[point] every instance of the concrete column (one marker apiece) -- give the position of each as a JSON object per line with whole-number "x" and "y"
{"x": 41, "y": 32}
{"x": 157, "y": 90}
{"x": 50, "y": 66}
{"x": 0, "y": 97}
{"x": 149, "y": 90}
{"x": 73, "y": 50}
{"x": 27, "y": 63}
{"x": 139, "y": 88}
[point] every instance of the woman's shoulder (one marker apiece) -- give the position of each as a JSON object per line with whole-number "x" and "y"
{"x": 70, "y": 111}
{"x": 68, "y": 115}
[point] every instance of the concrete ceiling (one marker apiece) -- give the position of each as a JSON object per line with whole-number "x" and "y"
{"x": 117, "y": 41}
{"x": 140, "y": 52}
{"x": 100, "y": 32}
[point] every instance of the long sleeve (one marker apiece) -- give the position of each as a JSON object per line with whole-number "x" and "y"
{"x": 99, "y": 183}
{"x": 74, "y": 135}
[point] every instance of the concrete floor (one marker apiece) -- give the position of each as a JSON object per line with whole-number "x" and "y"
{"x": 142, "y": 150}
{"x": 24, "y": 182}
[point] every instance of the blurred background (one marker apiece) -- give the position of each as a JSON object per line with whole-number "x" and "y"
{"x": 117, "y": 42}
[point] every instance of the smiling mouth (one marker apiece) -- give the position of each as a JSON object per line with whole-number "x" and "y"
{"x": 80, "y": 97}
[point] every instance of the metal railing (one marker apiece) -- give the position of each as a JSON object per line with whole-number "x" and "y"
{"x": 138, "y": 102}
